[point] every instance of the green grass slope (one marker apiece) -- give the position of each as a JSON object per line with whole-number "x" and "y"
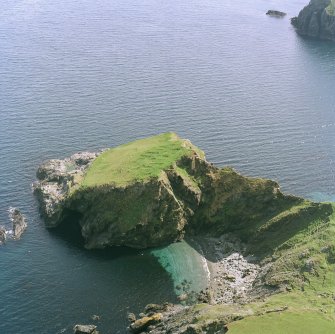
{"x": 284, "y": 323}
{"x": 331, "y": 8}
{"x": 138, "y": 161}
{"x": 305, "y": 261}
{"x": 302, "y": 264}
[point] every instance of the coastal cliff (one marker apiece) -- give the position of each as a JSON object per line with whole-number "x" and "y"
{"x": 131, "y": 195}
{"x": 271, "y": 255}
{"x": 317, "y": 20}
{"x": 152, "y": 191}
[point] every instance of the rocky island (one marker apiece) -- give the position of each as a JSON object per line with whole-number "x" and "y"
{"x": 271, "y": 255}
{"x": 19, "y": 225}
{"x": 317, "y": 20}
{"x": 275, "y": 13}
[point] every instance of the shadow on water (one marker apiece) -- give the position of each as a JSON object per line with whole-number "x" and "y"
{"x": 69, "y": 231}
{"x": 318, "y": 49}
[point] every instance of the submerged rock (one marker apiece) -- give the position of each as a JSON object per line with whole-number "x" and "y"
{"x": 85, "y": 329}
{"x": 19, "y": 222}
{"x": 275, "y": 13}
{"x": 131, "y": 317}
{"x": 2, "y": 235}
{"x": 316, "y": 20}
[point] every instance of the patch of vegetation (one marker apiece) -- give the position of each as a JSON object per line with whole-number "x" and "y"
{"x": 280, "y": 230}
{"x": 301, "y": 264}
{"x": 138, "y": 161}
{"x": 123, "y": 207}
{"x": 331, "y": 8}
{"x": 283, "y": 323}
{"x": 189, "y": 179}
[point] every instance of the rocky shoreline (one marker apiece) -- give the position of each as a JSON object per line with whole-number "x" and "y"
{"x": 275, "y": 13}
{"x": 56, "y": 177}
{"x": 232, "y": 275}
{"x": 235, "y": 279}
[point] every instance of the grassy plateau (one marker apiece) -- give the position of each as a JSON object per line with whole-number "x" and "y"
{"x": 138, "y": 161}
{"x": 331, "y": 8}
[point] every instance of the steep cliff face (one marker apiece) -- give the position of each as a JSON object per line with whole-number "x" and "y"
{"x": 135, "y": 195}
{"x": 317, "y": 20}
{"x": 143, "y": 214}
{"x": 124, "y": 203}
{"x": 56, "y": 178}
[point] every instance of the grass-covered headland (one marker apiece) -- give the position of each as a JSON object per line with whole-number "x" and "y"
{"x": 154, "y": 191}
{"x": 138, "y": 161}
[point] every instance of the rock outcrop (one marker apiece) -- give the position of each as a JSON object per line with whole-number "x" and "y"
{"x": 275, "y": 13}
{"x": 176, "y": 319}
{"x": 57, "y": 177}
{"x": 317, "y": 20}
{"x": 2, "y": 235}
{"x": 142, "y": 324}
{"x": 19, "y": 222}
{"x": 256, "y": 240}
{"x": 189, "y": 195}
{"x": 85, "y": 329}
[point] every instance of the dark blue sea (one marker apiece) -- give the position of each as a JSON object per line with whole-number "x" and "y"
{"x": 87, "y": 74}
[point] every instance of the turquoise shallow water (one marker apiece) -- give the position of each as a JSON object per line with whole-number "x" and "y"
{"x": 186, "y": 266}
{"x": 82, "y": 75}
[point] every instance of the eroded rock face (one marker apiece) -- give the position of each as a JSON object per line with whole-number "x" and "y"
{"x": 85, "y": 329}
{"x": 140, "y": 215}
{"x": 176, "y": 319}
{"x": 316, "y": 20}
{"x": 56, "y": 177}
